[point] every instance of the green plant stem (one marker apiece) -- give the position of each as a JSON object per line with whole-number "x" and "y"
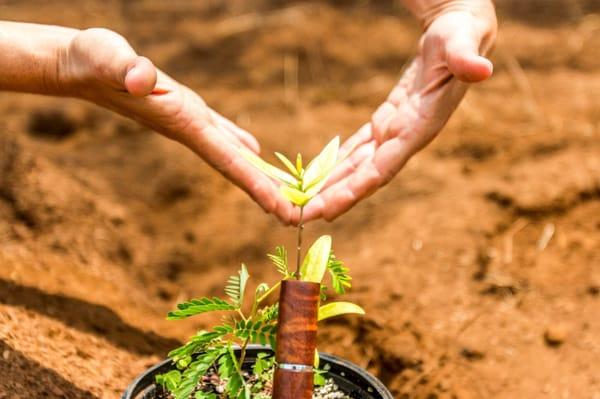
{"x": 251, "y": 318}
{"x": 243, "y": 352}
{"x": 269, "y": 292}
{"x": 299, "y": 246}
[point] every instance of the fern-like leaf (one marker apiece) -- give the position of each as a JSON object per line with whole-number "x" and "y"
{"x": 340, "y": 277}
{"x": 280, "y": 260}
{"x": 230, "y": 370}
{"x": 269, "y": 313}
{"x": 196, "y": 370}
{"x": 257, "y": 332}
{"x": 199, "y": 343}
{"x": 198, "y": 306}
{"x": 236, "y": 286}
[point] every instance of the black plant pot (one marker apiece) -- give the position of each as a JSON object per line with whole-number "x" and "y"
{"x": 352, "y": 380}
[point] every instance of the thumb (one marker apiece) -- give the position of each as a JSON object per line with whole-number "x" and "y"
{"x": 140, "y": 77}
{"x": 463, "y": 59}
{"x": 108, "y": 57}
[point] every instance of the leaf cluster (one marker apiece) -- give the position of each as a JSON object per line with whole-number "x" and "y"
{"x": 298, "y": 184}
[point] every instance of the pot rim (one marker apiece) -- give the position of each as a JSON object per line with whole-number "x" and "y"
{"x": 375, "y": 384}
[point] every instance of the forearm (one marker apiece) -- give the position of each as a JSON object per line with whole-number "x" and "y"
{"x": 427, "y": 10}
{"x": 31, "y": 57}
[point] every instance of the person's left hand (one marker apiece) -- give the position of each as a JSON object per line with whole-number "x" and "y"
{"x": 418, "y": 107}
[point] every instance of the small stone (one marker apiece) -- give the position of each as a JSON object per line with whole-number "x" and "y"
{"x": 472, "y": 354}
{"x": 556, "y": 334}
{"x": 5, "y": 354}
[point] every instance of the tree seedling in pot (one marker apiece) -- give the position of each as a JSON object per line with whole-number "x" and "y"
{"x": 212, "y": 364}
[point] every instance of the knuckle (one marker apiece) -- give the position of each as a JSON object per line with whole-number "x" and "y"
{"x": 100, "y": 35}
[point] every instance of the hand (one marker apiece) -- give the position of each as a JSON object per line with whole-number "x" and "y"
{"x": 100, "y": 66}
{"x": 430, "y": 89}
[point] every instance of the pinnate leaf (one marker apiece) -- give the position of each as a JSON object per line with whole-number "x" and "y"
{"x": 236, "y": 286}
{"x": 198, "y": 306}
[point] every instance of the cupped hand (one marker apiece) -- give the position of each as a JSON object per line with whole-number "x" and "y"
{"x": 100, "y": 66}
{"x": 449, "y": 57}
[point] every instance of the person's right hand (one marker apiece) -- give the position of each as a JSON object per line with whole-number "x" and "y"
{"x": 100, "y": 66}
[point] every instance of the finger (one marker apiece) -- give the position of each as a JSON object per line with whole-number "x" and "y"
{"x": 463, "y": 59}
{"x": 381, "y": 119}
{"x": 140, "y": 78}
{"x": 351, "y": 163}
{"x": 372, "y": 174}
{"x": 246, "y": 138}
{"x": 341, "y": 196}
{"x": 362, "y": 135}
{"x": 352, "y": 153}
{"x": 259, "y": 187}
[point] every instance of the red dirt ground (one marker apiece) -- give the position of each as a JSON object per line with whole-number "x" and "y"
{"x": 486, "y": 247}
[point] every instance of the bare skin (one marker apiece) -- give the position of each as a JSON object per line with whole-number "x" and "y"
{"x": 450, "y": 56}
{"x": 99, "y": 65}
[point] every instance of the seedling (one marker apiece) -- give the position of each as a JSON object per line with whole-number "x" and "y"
{"x": 211, "y": 364}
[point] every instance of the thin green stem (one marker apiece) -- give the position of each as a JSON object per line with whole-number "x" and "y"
{"x": 299, "y": 246}
{"x": 269, "y": 292}
{"x": 241, "y": 314}
{"x": 243, "y": 352}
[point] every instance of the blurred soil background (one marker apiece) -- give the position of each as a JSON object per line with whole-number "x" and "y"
{"x": 479, "y": 266}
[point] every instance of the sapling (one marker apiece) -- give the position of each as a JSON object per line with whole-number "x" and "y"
{"x": 211, "y": 365}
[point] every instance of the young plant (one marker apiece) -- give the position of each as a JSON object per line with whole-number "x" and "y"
{"x": 300, "y": 185}
{"x": 211, "y": 364}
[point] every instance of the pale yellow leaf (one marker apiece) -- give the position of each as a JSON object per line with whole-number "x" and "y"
{"x": 288, "y": 164}
{"x": 338, "y": 308}
{"x": 294, "y": 195}
{"x": 267, "y": 168}
{"x": 315, "y": 262}
{"x": 319, "y": 169}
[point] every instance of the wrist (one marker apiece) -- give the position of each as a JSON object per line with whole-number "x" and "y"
{"x": 31, "y": 57}
{"x": 426, "y": 11}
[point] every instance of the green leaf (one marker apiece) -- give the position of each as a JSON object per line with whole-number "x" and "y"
{"x": 259, "y": 332}
{"x": 170, "y": 380}
{"x": 199, "y": 343}
{"x": 267, "y": 168}
{"x": 198, "y": 306}
{"x": 338, "y": 308}
{"x": 319, "y": 169}
{"x": 280, "y": 260}
{"x": 319, "y": 378}
{"x": 269, "y": 314}
{"x": 340, "y": 277}
{"x": 294, "y": 195}
{"x": 263, "y": 363}
{"x": 230, "y": 370}
{"x": 315, "y": 262}
{"x": 261, "y": 289}
{"x": 196, "y": 370}
{"x": 288, "y": 164}
{"x": 236, "y": 286}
